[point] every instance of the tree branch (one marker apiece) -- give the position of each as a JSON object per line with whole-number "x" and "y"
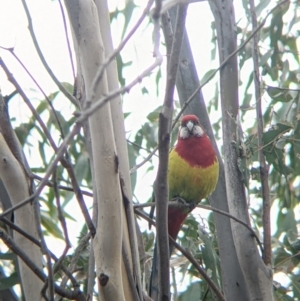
{"x": 161, "y": 189}
{"x": 67, "y": 39}
{"x": 264, "y": 169}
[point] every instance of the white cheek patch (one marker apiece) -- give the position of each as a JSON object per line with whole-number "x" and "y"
{"x": 198, "y": 131}
{"x": 184, "y": 132}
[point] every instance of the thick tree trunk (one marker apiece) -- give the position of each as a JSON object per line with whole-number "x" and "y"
{"x": 258, "y": 278}
{"x": 17, "y": 186}
{"x": 108, "y": 240}
{"x": 130, "y": 248}
{"x": 14, "y": 172}
{"x": 117, "y": 269}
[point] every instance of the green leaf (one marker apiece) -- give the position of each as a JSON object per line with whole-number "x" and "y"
{"x": 273, "y": 154}
{"x": 192, "y": 293}
{"x": 246, "y": 101}
{"x": 121, "y": 65}
{"x": 157, "y": 78}
{"x": 286, "y": 221}
{"x": 148, "y": 239}
{"x": 132, "y": 155}
{"x": 81, "y": 167}
{"x": 210, "y": 258}
{"x": 51, "y": 226}
{"x": 281, "y": 256}
{"x": 42, "y": 152}
{"x": 8, "y": 282}
{"x": 261, "y": 6}
{"x": 127, "y": 11}
{"x": 280, "y": 95}
{"x": 68, "y": 87}
{"x": 44, "y": 104}
{"x": 145, "y": 90}
{"x": 207, "y": 75}
{"x": 264, "y": 59}
{"x": 126, "y": 114}
{"x": 154, "y": 115}
{"x": 7, "y": 256}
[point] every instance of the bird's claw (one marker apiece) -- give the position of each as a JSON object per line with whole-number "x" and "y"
{"x": 192, "y": 205}
{"x": 181, "y": 200}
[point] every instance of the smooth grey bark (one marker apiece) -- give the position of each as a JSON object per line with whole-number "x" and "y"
{"x": 233, "y": 282}
{"x": 130, "y": 246}
{"x": 15, "y": 176}
{"x": 7, "y": 294}
{"x": 81, "y": 96}
{"x": 258, "y": 278}
{"x": 108, "y": 239}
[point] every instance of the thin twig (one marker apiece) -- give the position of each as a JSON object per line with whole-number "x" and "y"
{"x": 136, "y": 167}
{"x": 62, "y": 187}
{"x": 50, "y": 282}
{"x": 161, "y": 190}
{"x": 67, "y": 38}
{"x": 42, "y": 58}
{"x": 139, "y": 146}
{"x": 264, "y": 169}
{"x": 79, "y": 249}
{"x": 63, "y": 224}
{"x": 59, "y": 210}
{"x": 286, "y": 259}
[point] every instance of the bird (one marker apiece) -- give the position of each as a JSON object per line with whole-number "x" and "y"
{"x": 193, "y": 173}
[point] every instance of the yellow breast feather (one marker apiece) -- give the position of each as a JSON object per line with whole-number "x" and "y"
{"x": 191, "y": 183}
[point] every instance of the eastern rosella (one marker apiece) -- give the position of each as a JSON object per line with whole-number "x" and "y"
{"x": 192, "y": 176}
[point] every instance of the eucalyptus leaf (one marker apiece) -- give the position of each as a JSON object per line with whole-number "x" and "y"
{"x": 8, "y": 282}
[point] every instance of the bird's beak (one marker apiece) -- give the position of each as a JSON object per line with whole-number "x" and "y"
{"x": 190, "y": 126}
